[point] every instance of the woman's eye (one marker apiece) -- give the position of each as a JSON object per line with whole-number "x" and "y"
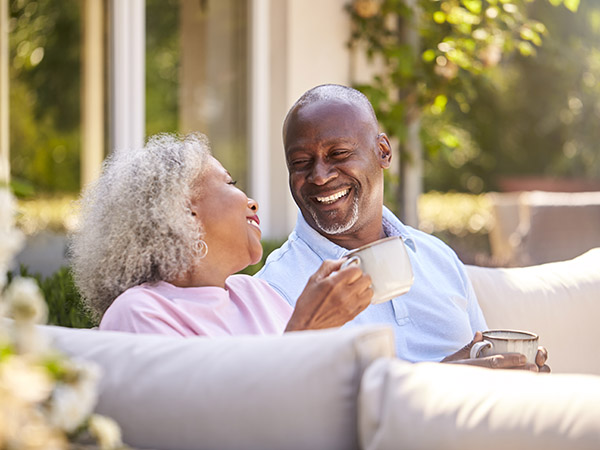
{"x": 232, "y": 182}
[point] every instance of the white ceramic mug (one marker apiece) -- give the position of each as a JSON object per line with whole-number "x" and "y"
{"x": 386, "y": 262}
{"x": 506, "y": 341}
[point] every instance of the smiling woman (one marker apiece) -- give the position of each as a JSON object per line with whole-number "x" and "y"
{"x": 162, "y": 234}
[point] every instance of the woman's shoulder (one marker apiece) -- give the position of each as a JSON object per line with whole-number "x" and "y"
{"x": 245, "y": 281}
{"x": 146, "y": 294}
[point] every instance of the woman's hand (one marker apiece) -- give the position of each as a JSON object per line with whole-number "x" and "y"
{"x": 503, "y": 361}
{"x": 332, "y": 297}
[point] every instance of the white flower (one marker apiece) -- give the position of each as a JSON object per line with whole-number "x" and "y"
{"x": 25, "y": 301}
{"x": 73, "y": 400}
{"x": 106, "y": 432}
{"x": 26, "y": 382}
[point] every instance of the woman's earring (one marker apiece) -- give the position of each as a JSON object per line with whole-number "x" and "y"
{"x": 202, "y": 248}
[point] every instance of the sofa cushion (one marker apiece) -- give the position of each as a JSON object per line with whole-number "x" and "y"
{"x": 296, "y": 391}
{"x": 445, "y": 406}
{"x": 560, "y": 301}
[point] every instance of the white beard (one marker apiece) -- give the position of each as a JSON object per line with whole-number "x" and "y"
{"x": 338, "y": 228}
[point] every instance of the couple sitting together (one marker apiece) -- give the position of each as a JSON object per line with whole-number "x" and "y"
{"x": 164, "y": 230}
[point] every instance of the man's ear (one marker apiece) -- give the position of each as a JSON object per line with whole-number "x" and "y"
{"x": 385, "y": 150}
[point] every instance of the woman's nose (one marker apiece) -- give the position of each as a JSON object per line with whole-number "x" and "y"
{"x": 253, "y": 204}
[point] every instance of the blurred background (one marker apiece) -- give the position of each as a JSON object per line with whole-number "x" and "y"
{"x": 492, "y": 106}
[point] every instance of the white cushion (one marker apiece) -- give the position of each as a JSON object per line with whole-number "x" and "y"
{"x": 559, "y": 301}
{"x": 296, "y": 391}
{"x": 444, "y": 406}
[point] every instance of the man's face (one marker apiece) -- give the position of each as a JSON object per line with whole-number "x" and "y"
{"x": 335, "y": 158}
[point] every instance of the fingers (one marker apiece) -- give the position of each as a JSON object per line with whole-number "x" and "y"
{"x": 505, "y": 361}
{"x": 351, "y": 275}
{"x": 501, "y": 361}
{"x": 328, "y": 267}
{"x": 541, "y": 357}
{"x": 464, "y": 353}
{"x": 334, "y": 268}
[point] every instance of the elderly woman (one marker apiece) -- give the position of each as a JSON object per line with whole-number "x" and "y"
{"x": 162, "y": 233}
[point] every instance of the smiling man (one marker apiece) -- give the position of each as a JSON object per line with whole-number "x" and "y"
{"x": 336, "y": 156}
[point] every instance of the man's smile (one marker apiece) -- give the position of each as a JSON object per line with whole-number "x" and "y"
{"x": 327, "y": 200}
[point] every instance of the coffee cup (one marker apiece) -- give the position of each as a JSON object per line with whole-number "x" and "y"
{"x": 506, "y": 341}
{"x": 386, "y": 262}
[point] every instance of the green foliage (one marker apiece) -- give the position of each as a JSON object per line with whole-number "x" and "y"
{"x": 463, "y": 68}
{"x": 44, "y": 94}
{"x": 540, "y": 115}
{"x": 65, "y": 305}
{"x": 162, "y": 66}
{"x": 432, "y": 51}
{"x": 45, "y": 46}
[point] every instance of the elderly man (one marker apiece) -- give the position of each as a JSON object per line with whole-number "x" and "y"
{"x": 335, "y": 156}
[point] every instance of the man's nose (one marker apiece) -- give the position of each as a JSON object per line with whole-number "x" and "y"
{"x": 322, "y": 172}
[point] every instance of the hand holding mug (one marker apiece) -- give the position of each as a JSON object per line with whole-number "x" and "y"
{"x": 503, "y": 349}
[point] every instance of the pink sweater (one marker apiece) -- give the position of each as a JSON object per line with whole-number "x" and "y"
{"x": 246, "y": 306}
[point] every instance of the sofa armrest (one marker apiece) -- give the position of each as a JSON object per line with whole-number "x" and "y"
{"x": 295, "y": 391}
{"x": 560, "y": 301}
{"x": 446, "y": 406}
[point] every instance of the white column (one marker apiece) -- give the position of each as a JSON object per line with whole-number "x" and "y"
{"x": 92, "y": 108}
{"x": 4, "y": 94}
{"x": 127, "y": 111}
{"x": 260, "y": 167}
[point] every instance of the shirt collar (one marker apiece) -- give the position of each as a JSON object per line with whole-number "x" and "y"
{"x": 322, "y": 246}
{"x": 392, "y": 226}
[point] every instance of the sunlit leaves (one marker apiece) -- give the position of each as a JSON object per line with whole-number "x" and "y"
{"x": 458, "y": 40}
{"x": 473, "y": 6}
{"x": 571, "y": 5}
{"x": 439, "y": 104}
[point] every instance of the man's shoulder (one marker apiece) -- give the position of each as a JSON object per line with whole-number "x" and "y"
{"x": 428, "y": 248}
{"x": 294, "y": 253}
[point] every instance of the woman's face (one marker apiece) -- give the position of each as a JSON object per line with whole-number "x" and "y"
{"x": 228, "y": 218}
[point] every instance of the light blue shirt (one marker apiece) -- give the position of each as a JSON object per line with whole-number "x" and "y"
{"x": 437, "y": 317}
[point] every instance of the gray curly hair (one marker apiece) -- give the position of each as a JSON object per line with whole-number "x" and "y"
{"x": 135, "y": 222}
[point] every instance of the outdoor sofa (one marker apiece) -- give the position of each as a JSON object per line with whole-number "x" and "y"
{"x": 343, "y": 389}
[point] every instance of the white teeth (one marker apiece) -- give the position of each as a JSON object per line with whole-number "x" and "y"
{"x": 252, "y": 222}
{"x": 332, "y": 198}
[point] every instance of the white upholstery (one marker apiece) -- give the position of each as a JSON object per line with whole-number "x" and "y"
{"x": 559, "y": 301}
{"x": 342, "y": 390}
{"x": 297, "y": 391}
{"x": 443, "y": 406}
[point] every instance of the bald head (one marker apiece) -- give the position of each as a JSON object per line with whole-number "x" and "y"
{"x": 336, "y": 93}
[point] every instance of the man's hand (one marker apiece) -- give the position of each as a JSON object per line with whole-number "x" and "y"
{"x": 503, "y": 361}
{"x": 332, "y": 297}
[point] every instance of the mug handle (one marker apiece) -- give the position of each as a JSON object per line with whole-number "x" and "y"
{"x": 352, "y": 260}
{"x": 478, "y": 347}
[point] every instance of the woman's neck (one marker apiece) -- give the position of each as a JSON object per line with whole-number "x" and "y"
{"x": 202, "y": 275}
